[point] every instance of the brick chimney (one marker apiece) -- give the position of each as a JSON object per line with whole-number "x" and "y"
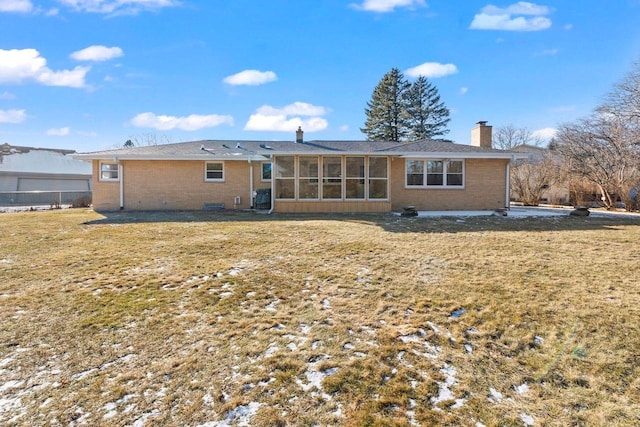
{"x": 299, "y": 134}
{"x": 481, "y": 135}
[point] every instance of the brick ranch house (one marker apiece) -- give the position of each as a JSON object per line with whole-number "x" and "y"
{"x": 300, "y": 176}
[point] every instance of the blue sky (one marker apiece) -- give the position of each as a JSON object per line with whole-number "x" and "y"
{"x": 89, "y": 74}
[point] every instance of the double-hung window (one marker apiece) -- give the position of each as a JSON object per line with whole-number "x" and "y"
{"x": 214, "y": 171}
{"x": 434, "y": 173}
{"x": 109, "y": 171}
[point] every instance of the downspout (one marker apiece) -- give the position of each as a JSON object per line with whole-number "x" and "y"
{"x": 250, "y": 184}
{"x": 507, "y": 200}
{"x": 121, "y": 175}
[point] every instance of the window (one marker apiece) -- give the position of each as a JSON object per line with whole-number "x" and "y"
{"x": 308, "y": 177}
{"x": 108, "y": 171}
{"x": 332, "y": 177}
{"x": 378, "y": 178}
{"x": 415, "y": 172}
{"x": 435, "y": 173}
{"x": 285, "y": 175}
{"x": 266, "y": 172}
{"x": 354, "y": 183}
{"x": 214, "y": 171}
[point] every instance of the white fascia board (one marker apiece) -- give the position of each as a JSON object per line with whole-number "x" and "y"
{"x": 198, "y": 157}
{"x": 449, "y": 155}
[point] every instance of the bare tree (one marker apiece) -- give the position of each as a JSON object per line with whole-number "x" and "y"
{"x": 510, "y": 136}
{"x": 148, "y": 139}
{"x": 604, "y": 148}
{"x": 533, "y": 177}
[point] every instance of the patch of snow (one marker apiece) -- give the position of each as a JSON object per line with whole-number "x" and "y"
{"x": 235, "y": 271}
{"x": 433, "y": 327}
{"x": 444, "y": 391}
{"x": 10, "y": 384}
{"x": 326, "y": 305}
{"x": 271, "y": 350}
{"x": 527, "y": 419}
{"x": 468, "y": 348}
{"x": 240, "y": 416}
{"x": 348, "y": 346}
{"x": 278, "y": 327}
{"x": 305, "y": 329}
{"x": 522, "y": 389}
{"x": 496, "y": 396}
{"x": 272, "y": 305}
{"x": 144, "y": 418}
{"x": 314, "y": 378}
{"x": 4, "y": 362}
{"x": 316, "y": 344}
{"x": 292, "y": 346}
{"x": 459, "y": 404}
{"x": 538, "y": 340}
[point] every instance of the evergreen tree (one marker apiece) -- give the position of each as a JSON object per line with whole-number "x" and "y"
{"x": 129, "y": 144}
{"x": 428, "y": 116}
{"x": 386, "y": 112}
{"x": 399, "y": 110}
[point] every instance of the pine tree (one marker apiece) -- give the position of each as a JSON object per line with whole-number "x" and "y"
{"x": 428, "y": 116}
{"x": 386, "y": 112}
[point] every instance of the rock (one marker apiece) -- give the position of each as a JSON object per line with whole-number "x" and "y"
{"x": 580, "y": 211}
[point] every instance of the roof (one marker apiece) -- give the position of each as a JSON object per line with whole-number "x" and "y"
{"x": 261, "y": 150}
{"x": 42, "y": 161}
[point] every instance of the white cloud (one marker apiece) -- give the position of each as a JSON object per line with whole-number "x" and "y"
{"x": 545, "y": 133}
{"x": 568, "y": 27}
{"x": 521, "y": 16}
{"x": 21, "y": 6}
{"x": 12, "y": 116}
{"x": 59, "y": 131}
{"x": 7, "y": 95}
{"x": 87, "y": 134}
{"x": 188, "y": 123}
{"x": 288, "y": 118}
{"x": 97, "y": 53}
{"x": 432, "y": 70}
{"x": 251, "y": 78}
{"x": 344, "y": 128}
{"x": 464, "y": 90}
{"x": 21, "y": 65}
{"x": 119, "y": 7}
{"x": 384, "y": 6}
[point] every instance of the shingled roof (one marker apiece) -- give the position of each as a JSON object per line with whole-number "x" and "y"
{"x": 261, "y": 150}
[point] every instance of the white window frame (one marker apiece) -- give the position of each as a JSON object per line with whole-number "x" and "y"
{"x": 116, "y": 170}
{"x": 206, "y": 178}
{"x": 445, "y": 167}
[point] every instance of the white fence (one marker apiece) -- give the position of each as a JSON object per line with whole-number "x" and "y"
{"x": 26, "y": 200}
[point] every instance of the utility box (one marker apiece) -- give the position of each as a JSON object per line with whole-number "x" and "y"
{"x": 263, "y": 198}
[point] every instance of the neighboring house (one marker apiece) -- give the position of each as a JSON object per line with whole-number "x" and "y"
{"x": 43, "y": 169}
{"x": 555, "y": 191}
{"x": 300, "y": 176}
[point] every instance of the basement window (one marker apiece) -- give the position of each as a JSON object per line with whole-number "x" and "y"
{"x": 214, "y": 171}
{"x": 109, "y": 171}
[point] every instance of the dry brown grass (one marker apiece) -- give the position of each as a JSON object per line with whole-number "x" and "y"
{"x": 190, "y": 318}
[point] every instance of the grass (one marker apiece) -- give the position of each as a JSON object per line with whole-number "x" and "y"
{"x": 194, "y": 318}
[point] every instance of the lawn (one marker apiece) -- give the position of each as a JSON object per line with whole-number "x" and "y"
{"x": 214, "y": 319}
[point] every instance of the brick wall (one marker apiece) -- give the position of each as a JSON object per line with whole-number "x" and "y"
{"x": 484, "y": 188}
